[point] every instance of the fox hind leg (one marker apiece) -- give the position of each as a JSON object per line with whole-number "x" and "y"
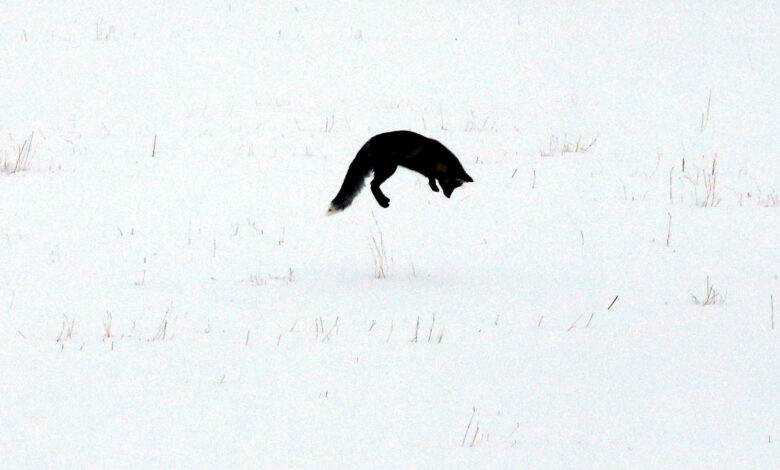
{"x": 432, "y": 184}
{"x": 380, "y": 176}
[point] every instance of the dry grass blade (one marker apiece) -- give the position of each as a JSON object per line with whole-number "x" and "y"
{"x": 379, "y": 253}
{"x": 471, "y": 420}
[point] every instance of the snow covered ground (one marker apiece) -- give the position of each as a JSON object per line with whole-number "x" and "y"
{"x": 605, "y": 295}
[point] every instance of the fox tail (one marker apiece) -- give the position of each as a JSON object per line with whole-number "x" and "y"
{"x": 360, "y": 167}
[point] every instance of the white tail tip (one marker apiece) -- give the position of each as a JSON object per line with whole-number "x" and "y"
{"x": 332, "y": 210}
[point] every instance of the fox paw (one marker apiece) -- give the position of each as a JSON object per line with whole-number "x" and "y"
{"x": 384, "y": 203}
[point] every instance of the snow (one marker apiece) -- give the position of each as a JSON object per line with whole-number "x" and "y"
{"x": 196, "y": 309}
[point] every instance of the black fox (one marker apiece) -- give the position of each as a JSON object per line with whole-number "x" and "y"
{"x": 383, "y": 153}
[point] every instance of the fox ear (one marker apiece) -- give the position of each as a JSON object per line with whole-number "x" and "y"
{"x": 466, "y": 179}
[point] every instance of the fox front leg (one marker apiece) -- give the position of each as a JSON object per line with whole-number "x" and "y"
{"x": 432, "y": 184}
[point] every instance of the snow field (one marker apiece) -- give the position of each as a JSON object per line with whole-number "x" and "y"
{"x": 196, "y": 309}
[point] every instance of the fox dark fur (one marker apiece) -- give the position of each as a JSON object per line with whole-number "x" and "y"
{"x": 383, "y": 153}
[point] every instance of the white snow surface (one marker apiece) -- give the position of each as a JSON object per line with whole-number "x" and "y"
{"x": 196, "y": 309}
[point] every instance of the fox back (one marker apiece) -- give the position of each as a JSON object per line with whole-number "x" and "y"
{"x": 384, "y": 153}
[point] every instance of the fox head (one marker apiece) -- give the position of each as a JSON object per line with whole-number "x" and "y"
{"x": 453, "y": 179}
{"x": 447, "y": 169}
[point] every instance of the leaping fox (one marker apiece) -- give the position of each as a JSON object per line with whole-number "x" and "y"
{"x": 383, "y": 153}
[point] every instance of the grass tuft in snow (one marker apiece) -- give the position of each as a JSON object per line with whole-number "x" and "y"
{"x": 771, "y": 199}
{"x": 162, "y": 330}
{"x": 21, "y": 160}
{"x": 558, "y": 146}
{"x": 103, "y": 32}
{"x": 66, "y": 332}
{"x": 107, "y": 325}
{"x": 472, "y": 438}
{"x": 708, "y": 179}
{"x": 705, "y": 116}
{"x": 712, "y": 296}
{"x": 418, "y": 335}
{"x": 320, "y": 334}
